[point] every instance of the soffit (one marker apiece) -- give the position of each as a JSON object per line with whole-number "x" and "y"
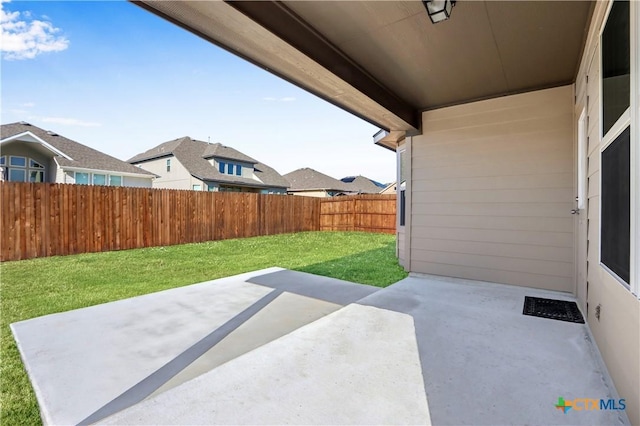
{"x": 487, "y": 49}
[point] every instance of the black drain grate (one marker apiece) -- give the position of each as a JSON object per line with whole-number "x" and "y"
{"x": 553, "y": 309}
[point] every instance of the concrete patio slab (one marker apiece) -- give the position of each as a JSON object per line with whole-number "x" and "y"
{"x": 485, "y": 363}
{"x": 280, "y": 347}
{"x": 286, "y": 313}
{"x": 79, "y": 360}
{"x": 340, "y": 369}
{"x": 89, "y": 363}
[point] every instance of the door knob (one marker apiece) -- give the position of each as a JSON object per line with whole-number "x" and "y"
{"x": 575, "y": 211}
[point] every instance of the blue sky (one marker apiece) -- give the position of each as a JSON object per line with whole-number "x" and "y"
{"x": 119, "y": 79}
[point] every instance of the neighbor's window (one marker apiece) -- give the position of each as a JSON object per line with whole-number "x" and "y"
{"x": 168, "y": 164}
{"x": 17, "y": 161}
{"x": 238, "y": 170}
{"x": 616, "y": 69}
{"x": 36, "y": 176}
{"x": 17, "y": 175}
{"x": 3, "y": 160}
{"x": 616, "y": 204}
{"x": 82, "y": 178}
{"x": 115, "y": 180}
{"x": 221, "y": 167}
{"x": 196, "y": 187}
{"x": 230, "y": 168}
{"x": 33, "y": 164}
{"x": 99, "y": 179}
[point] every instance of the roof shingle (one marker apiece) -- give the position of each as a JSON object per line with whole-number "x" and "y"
{"x": 307, "y": 179}
{"x": 82, "y": 156}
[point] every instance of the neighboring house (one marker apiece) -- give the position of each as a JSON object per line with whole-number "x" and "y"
{"x": 31, "y": 154}
{"x": 389, "y": 189}
{"x": 517, "y": 127}
{"x": 186, "y": 163}
{"x": 312, "y": 183}
{"x": 362, "y": 185}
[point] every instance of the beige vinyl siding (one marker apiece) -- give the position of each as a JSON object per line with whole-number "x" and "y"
{"x": 492, "y": 189}
{"x": 317, "y": 194}
{"x": 400, "y": 244}
{"x": 137, "y": 182}
{"x": 617, "y": 332}
{"x": 177, "y": 178}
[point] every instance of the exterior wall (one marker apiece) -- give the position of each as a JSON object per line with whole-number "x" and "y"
{"x": 321, "y": 193}
{"x": 617, "y": 332}
{"x": 492, "y": 189}
{"x": 177, "y": 178}
{"x": 247, "y": 168}
{"x": 137, "y": 182}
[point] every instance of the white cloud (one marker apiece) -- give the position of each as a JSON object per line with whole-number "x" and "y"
{"x": 285, "y": 99}
{"x": 25, "y": 38}
{"x": 28, "y": 104}
{"x": 70, "y": 122}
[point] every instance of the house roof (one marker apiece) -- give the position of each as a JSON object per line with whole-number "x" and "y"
{"x": 217, "y": 150}
{"x": 79, "y": 155}
{"x": 194, "y": 155}
{"x": 307, "y": 179}
{"x": 385, "y": 61}
{"x": 362, "y": 185}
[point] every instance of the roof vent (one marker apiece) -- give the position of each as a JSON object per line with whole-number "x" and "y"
{"x": 24, "y": 123}
{"x": 52, "y": 133}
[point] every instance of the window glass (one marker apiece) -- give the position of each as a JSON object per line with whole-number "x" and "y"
{"x": 211, "y": 187}
{"x": 17, "y": 175}
{"x": 82, "y": 178}
{"x": 115, "y": 180}
{"x": 18, "y": 161}
{"x": 221, "y": 167}
{"x": 99, "y": 179}
{"x": 36, "y": 176}
{"x": 168, "y": 164}
{"x": 230, "y": 168}
{"x": 197, "y": 187}
{"x": 34, "y": 164}
{"x": 616, "y": 206}
{"x": 616, "y": 70}
{"x": 3, "y": 160}
{"x": 238, "y": 170}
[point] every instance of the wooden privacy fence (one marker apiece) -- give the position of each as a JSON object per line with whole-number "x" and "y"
{"x": 368, "y": 213}
{"x": 41, "y": 219}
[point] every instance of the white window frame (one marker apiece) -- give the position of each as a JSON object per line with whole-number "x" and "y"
{"x": 630, "y": 118}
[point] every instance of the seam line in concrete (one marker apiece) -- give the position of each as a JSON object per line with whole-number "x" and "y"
{"x": 155, "y": 380}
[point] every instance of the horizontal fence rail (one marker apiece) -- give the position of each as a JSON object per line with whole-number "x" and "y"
{"x": 368, "y": 213}
{"x": 42, "y": 219}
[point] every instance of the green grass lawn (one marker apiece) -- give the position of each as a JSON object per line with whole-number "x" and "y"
{"x": 31, "y": 288}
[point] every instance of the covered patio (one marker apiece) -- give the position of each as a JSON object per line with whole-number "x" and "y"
{"x": 283, "y": 347}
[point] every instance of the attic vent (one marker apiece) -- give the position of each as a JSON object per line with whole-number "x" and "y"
{"x": 24, "y": 123}
{"x": 49, "y": 132}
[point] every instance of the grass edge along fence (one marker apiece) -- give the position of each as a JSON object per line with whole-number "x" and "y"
{"x": 45, "y": 219}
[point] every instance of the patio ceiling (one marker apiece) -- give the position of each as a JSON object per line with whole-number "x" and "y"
{"x": 385, "y": 61}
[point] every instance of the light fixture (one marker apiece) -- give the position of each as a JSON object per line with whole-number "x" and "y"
{"x": 439, "y": 10}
